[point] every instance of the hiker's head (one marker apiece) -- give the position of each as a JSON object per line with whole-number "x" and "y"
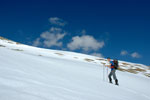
{"x": 108, "y": 59}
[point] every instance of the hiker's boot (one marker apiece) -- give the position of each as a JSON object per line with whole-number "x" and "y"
{"x": 110, "y": 80}
{"x": 116, "y": 81}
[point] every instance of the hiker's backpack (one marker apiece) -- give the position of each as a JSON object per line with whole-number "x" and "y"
{"x": 116, "y": 64}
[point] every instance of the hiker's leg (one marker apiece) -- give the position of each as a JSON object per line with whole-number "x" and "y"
{"x": 116, "y": 81}
{"x": 109, "y": 76}
{"x": 114, "y": 76}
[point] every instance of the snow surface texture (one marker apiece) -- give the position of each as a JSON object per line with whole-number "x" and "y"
{"x": 30, "y": 73}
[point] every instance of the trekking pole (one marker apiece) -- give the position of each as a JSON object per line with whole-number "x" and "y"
{"x": 107, "y": 74}
{"x": 103, "y": 71}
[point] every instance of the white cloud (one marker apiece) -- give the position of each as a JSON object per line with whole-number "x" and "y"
{"x": 51, "y": 38}
{"x": 83, "y": 32}
{"x": 57, "y": 21}
{"x": 123, "y": 52}
{"x": 135, "y": 55}
{"x": 36, "y": 42}
{"x": 85, "y": 43}
{"x": 97, "y": 55}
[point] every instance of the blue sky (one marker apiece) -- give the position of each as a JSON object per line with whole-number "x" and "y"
{"x": 117, "y": 29}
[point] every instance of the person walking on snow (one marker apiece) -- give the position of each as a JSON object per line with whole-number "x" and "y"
{"x": 112, "y": 72}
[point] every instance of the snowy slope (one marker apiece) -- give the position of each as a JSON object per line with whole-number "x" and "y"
{"x": 30, "y": 73}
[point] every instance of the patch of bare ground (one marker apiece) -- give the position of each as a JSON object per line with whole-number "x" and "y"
{"x": 100, "y": 59}
{"x": 126, "y": 64}
{"x": 75, "y": 57}
{"x": 103, "y": 63}
{"x": 9, "y": 41}
{"x": 147, "y": 74}
{"x": 60, "y": 54}
{"x": 128, "y": 70}
{"x": 17, "y": 49}
{"x": 89, "y": 60}
{"x": 135, "y": 71}
{"x": 2, "y": 46}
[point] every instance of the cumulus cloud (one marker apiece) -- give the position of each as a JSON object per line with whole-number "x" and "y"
{"x": 135, "y": 55}
{"x": 57, "y": 21}
{"x": 85, "y": 42}
{"x": 50, "y": 38}
{"x": 83, "y": 32}
{"x": 97, "y": 55}
{"x": 36, "y": 42}
{"x": 123, "y": 53}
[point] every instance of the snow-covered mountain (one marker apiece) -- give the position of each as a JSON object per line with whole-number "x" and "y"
{"x": 31, "y": 73}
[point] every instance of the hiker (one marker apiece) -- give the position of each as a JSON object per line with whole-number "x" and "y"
{"x": 113, "y": 65}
